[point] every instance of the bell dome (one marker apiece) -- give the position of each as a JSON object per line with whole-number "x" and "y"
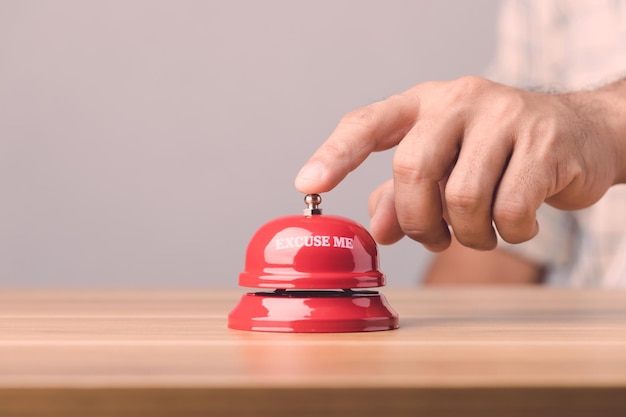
{"x": 312, "y": 252}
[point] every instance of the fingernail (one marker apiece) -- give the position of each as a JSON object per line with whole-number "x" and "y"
{"x": 310, "y": 172}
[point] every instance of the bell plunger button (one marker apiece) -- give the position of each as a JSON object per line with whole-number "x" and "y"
{"x": 312, "y": 202}
{"x": 314, "y": 270}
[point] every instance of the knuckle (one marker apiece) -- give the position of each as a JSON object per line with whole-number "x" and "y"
{"x": 467, "y": 86}
{"x": 401, "y": 97}
{"x": 406, "y": 168}
{"x": 421, "y": 234}
{"x": 424, "y": 87}
{"x": 508, "y": 106}
{"x": 510, "y": 213}
{"x": 339, "y": 149}
{"x": 366, "y": 117}
{"x": 416, "y": 233}
{"x": 463, "y": 198}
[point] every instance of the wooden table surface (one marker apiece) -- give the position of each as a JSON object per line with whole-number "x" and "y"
{"x": 461, "y": 352}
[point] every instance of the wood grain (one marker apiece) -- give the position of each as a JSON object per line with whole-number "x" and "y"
{"x": 457, "y": 352}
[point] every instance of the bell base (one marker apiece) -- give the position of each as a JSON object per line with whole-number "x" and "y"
{"x": 322, "y": 311}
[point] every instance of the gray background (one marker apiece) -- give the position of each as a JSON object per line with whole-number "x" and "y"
{"x": 142, "y": 143}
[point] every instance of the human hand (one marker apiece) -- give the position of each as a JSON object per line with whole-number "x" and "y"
{"x": 471, "y": 154}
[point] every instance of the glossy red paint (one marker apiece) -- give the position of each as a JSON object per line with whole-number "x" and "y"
{"x": 314, "y": 262}
{"x": 312, "y": 252}
{"x": 313, "y": 313}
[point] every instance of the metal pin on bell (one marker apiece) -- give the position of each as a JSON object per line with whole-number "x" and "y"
{"x": 312, "y": 202}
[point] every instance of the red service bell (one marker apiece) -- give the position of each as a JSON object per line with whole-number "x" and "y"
{"x": 315, "y": 268}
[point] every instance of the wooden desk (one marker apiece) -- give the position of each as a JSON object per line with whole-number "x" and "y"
{"x": 458, "y": 353}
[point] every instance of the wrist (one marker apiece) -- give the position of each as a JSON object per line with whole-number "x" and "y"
{"x": 605, "y": 111}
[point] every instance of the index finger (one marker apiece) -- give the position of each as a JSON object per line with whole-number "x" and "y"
{"x": 372, "y": 128}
